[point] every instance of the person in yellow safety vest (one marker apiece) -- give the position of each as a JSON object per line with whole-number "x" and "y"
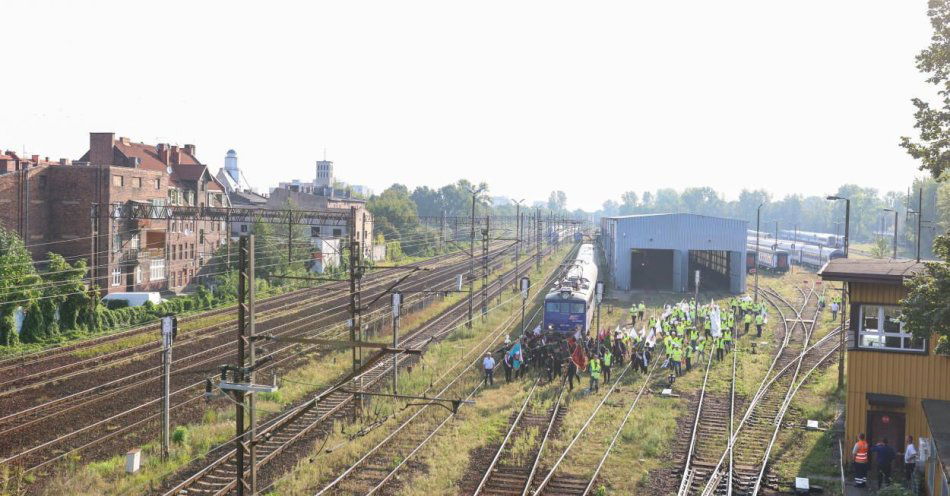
{"x": 759, "y": 320}
{"x": 707, "y": 326}
{"x": 693, "y": 336}
{"x": 594, "y": 367}
{"x": 608, "y": 358}
{"x": 675, "y": 359}
{"x": 641, "y": 309}
{"x": 688, "y": 355}
{"x": 720, "y": 345}
{"x": 701, "y": 348}
{"x": 747, "y": 320}
{"x": 727, "y": 338}
{"x": 633, "y": 315}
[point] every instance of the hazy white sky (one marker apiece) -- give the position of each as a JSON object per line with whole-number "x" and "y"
{"x": 594, "y": 98}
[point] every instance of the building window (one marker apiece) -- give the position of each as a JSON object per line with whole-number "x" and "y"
{"x": 337, "y": 233}
{"x": 156, "y": 270}
{"x": 138, "y": 274}
{"x": 193, "y": 249}
{"x": 116, "y": 242}
{"x": 880, "y": 328}
{"x": 116, "y": 277}
{"x": 158, "y": 183}
{"x": 134, "y": 242}
{"x": 243, "y": 228}
{"x": 315, "y": 231}
{"x": 136, "y": 182}
{"x": 118, "y": 181}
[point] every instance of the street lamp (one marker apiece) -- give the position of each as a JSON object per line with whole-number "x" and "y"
{"x": 525, "y": 288}
{"x": 895, "y": 230}
{"x": 755, "y": 259}
{"x": 842, "y": 333}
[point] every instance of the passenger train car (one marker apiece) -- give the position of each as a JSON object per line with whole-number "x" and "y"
{"x": 813, "y": 238}
{"x": 809, "y": 255}
{"x": 570, "y": 303}
{"x": 769, "y": 258}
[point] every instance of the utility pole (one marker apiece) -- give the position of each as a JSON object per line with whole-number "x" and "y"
{"x": 471, "y": 267}
{"x": 169, "y": 331}
{"x": 397, "y": 302}
{"x": 442, "y": 232}
{"x": 290, "y": 238}
{"x": 538, "y": 240}
{"x": 920, "y": 215}
{"x": 486, "y": 234}
{"x": 525, "y": 287}
{"x": 755, "y": 259}
{"x": 245, "y": 437}
{"x": 894, "y": 256}
{"x": 518, "y": 236}
{"x": 844, "y": 286}
{"x": 356, "y": 272}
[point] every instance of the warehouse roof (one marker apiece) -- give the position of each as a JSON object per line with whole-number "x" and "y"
{"x": 646, "y": 216}
{"x": 887, "y": 271}
{"x": 938, "y": 419}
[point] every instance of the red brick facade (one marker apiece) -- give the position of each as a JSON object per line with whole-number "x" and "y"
{"x": 50, "y": 206}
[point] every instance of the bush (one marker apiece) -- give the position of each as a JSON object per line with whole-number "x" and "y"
{"x": 180, "y": 435}
{"x": 116, "y": 304}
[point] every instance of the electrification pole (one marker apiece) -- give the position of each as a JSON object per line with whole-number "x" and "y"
{"x": 397, "y": 302}
{"x": 245, "y": 436}
{"x": 755, "y": 259}
{"x": 485, "y": 240}
{"x": 169, "y": 330}
{"x": 538, "y": 239}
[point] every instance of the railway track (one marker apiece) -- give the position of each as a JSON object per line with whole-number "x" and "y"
{"x": 555, "y": 481}
{"x": 52, "y": 432}
{"x": 737, "y": 464}
{"x": 509, "y": 474}
{"x": 309, "y": 418}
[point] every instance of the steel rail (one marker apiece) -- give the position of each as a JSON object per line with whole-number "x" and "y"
{"x": 504, "y": 442}
{"x": 593, "y": 414}
{"x": 544, "y": 440}
{"x": 613, "y": 440}
{"x": 687, "y": 477}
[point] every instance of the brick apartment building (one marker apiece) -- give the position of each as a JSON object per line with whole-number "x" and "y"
{"x": 49, "y": 204}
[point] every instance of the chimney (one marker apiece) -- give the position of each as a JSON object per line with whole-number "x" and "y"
{"x": 100, "y": 148}
{"x": 163, "y": 153}
{"x": 65, "y": 161}
{"x": 190, "y": 150}
{"x": 175, "y": 155}
{"x": 125, "y": 141}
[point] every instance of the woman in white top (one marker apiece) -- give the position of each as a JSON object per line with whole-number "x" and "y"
{"x": 910, "y": 457}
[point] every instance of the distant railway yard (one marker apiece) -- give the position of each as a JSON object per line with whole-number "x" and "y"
{"x": 322, "y": 426}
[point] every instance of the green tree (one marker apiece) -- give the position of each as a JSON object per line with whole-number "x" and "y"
{"x": 933, "y": 122}
{"x": 926, "y": 309}
{"x": 394, "y": 212}
{"x": 19, "y": 283}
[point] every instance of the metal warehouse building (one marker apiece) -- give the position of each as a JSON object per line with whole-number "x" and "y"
{"x": 662, "y": 251}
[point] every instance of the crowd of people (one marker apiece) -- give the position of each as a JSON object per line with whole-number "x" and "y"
{"x": 685, "y": 333}
{"x": 883, "y": 457}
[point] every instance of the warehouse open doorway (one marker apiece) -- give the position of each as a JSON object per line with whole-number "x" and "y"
{"x": 713, "y": 267}
{"x": 651, "y": 269}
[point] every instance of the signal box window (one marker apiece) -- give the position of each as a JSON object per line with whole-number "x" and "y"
{"x": 880, "y": 328}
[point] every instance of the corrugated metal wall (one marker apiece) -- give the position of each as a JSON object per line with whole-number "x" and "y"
{"x": 911, "y": 375}
{"x": 678, "y": 232}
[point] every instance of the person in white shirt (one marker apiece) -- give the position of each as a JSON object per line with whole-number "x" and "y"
{"x": 910, "y": 458}
{"x": 489, "y": 364}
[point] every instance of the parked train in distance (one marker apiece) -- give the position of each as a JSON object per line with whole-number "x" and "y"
{"x": 804, "y": 254}
{"x": 769, "y": 259}
{"x": 570, "y": 303}
{"x": 812, "y": 238}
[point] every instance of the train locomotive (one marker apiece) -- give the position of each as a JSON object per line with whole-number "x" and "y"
{"x": 570, "y": 303}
